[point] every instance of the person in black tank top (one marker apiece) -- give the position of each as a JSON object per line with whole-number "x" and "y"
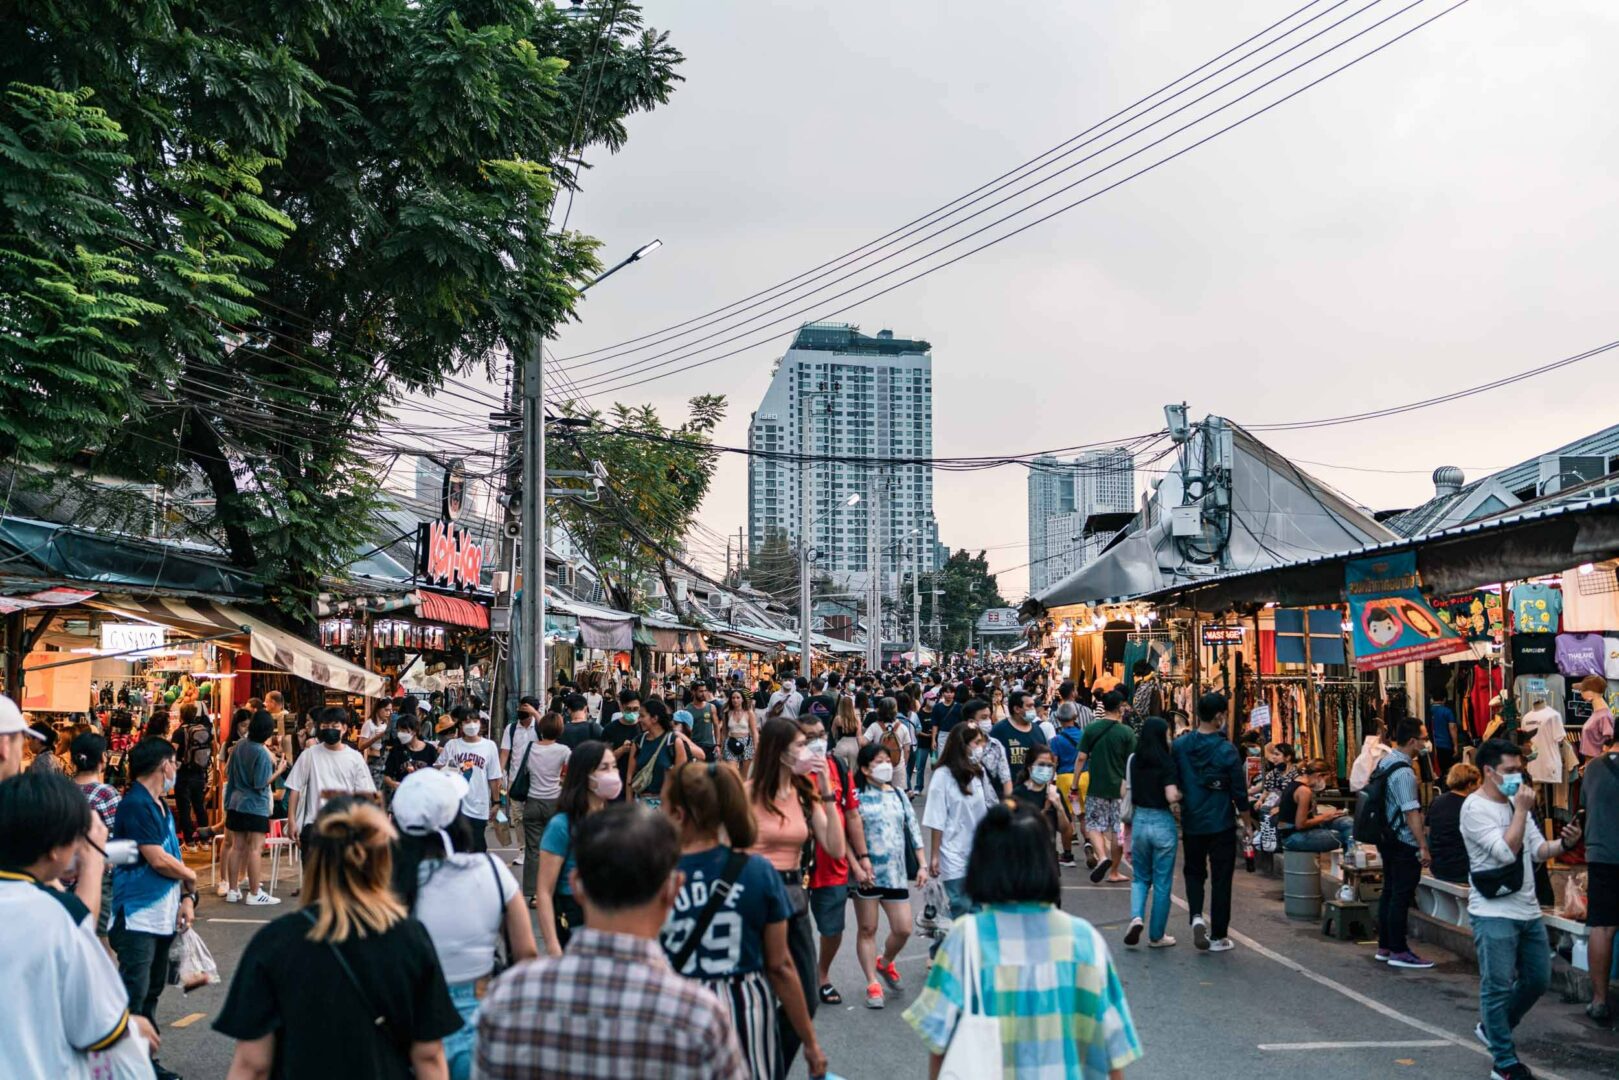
{"x": 1302, "y": 824}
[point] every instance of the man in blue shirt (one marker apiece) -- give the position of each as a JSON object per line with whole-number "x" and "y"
{"x": 1214, "y": 791}
{"x": 1444, "y": 731}
{"x": 157, "y": 896}
{"x": 1404, "y": 848}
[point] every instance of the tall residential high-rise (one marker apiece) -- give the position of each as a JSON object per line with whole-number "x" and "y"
{"x": 1063, "y": 495}
{"x": 868, "y": 397}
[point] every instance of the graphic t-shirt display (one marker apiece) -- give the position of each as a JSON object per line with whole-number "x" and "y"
{"x": 1536, "y": 609}
{"x": 1580, "y": 654}
{"x": 733, "y": 944}
{"x": 1534, "y": 654}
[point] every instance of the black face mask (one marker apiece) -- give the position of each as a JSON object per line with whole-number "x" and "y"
{"x": 331, "y": 736}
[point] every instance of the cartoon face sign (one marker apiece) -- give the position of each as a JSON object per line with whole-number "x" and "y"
{"x": 1419, "y": 620}
{"x": 1382, "y": 626}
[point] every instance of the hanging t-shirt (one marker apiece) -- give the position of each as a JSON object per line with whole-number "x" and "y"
{"x": 1591, "y": 598}
{"x": 1528, "y": 689}
{"x": 734, "y": 941}
{"x": 1545, "y": 726}
{"x": 1610, "y": 657}
{"x": 1534, "y": 654}
{"x": 1580, "y": 654}
{"x": 1536, "y": 609}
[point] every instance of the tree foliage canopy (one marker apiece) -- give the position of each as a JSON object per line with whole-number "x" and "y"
{"x": 967, "y": 590}
{"x": 232, "y": 235}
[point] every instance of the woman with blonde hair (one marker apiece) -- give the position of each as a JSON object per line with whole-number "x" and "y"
{"x": 1445, "y": 824}
{"x": 350, "y": 984}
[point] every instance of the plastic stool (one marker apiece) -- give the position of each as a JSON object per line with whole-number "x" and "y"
{"x": 1346, "y": 920}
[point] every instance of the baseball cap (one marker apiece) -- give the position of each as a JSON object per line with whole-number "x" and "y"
{"x": 683, "y": 717}
{"x": 12, "y": 722}
{"x": 427, "y": 800}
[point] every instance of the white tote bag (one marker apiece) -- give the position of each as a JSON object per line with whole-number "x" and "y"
{"x": 1127, "y": 801}
{"x": 974, "y": 1052}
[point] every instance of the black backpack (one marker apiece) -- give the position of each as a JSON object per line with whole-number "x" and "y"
{"x": 199, "y": 739}
{"x": 1372, "y": 824}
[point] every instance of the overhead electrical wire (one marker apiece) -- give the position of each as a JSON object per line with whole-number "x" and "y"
{"x": 989, "y": 187}
{"x": 622, "y": 378}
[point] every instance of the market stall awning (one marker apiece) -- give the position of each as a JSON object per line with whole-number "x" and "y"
{"x": 451, "y": 610}
{"x": 43, "y": 598}
{"x": 265, "y": 642}
{"x": 1454, "y": 560}
{"x": 613, "y": 635}
{"x": 110, "y": 560}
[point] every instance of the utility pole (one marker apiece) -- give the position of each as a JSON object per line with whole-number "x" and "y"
{"x": 530, "y": 662}
{"x": 806, "y": 405}
{"x": 531, "y": 609}
{"x": 874, "y": 643}
{"x": 916, "y": 603}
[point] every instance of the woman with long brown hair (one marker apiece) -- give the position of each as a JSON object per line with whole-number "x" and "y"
{"x": 788, "y": 792}
{"x": 741, "y": 730}
{"x": 739, "y": 950}
{"x": 349, "y": 985}
{"x": 847, "y": 733}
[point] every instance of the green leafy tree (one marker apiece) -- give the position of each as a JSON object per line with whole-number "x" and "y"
{"x": 657, "y": 478}
{"x": 967, "y": 590}
{"x": 335, "y": 202}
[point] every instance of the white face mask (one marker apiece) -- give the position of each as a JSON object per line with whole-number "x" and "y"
{"x": 984, "y": 726}
{"x": 882, "y": 772}
{"x": 470, "y": 729}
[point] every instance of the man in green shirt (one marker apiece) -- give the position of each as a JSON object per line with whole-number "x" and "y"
{"x": 702, "y": 717}
{"x": 1104, "y": 749}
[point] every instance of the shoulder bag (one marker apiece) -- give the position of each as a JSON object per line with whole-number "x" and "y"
{"x": 717, "y": 894}
{"x": 1127, "y": 802}
{"x": 974, "y": 1052}
{"x": 517, "y": 791}
{"x": 503, "y": 942}
{"x": 643, "y": 776}
{"x": 379, "y": 1020}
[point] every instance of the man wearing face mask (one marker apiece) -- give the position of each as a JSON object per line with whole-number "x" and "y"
{"x": 328, "y": 769}
{"x": 156, "y": 896}
{"x": 1503, "y": 844}
{"x": 477, "y": 759}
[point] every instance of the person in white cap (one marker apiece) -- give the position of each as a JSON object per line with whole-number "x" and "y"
{"x": 13, "y": 730}
{"x": 468, "y": 901}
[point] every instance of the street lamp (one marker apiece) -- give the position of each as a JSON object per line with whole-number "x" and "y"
{"x": 531, "y": 610}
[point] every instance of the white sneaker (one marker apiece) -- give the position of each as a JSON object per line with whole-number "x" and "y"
{"x": 1224, "y": 944}
{"x": 1165, "y": 942}
{"x": 233, "y": 897}
{"x": 1200, "y": 933}
{"x": 519, "y": 860}
{"x": 223, "y": 889}
{"x": 262, "y": 899}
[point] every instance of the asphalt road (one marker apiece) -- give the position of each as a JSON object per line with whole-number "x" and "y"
{"x": 1287, "y": 999}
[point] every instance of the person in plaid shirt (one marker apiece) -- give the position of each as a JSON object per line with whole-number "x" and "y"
{"x": 611, "y": 1007}
{"x": 1046, "y": 975}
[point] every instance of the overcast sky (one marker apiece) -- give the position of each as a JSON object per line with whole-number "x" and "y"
{"x": 1436, "y": 216}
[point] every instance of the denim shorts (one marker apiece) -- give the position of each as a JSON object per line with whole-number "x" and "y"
{"x": 830, "y": 906}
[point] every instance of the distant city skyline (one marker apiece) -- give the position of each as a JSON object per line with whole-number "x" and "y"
{"x": 1062, "y": 496}
{"x": 1429, "y": 219}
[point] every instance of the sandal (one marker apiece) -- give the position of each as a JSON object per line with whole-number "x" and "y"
{"x": 830, "y": 995}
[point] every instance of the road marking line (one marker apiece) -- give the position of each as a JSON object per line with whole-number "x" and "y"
{"x": 1356, "y": 1045}
{"x": 252, "y": 922}
{"x": 187, "y": 1021}
{"x": 1466, "y": 1043}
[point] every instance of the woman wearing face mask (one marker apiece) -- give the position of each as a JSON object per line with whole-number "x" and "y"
{"x": 1153, "y": 833}
{"x": 477, "y": 759}
{"x": 892, "y": 834}
{"x": 656, "y": 750}
{"x": 997, "y": 768}
{"x": 1037, "y": 791}
{"x": 788, "y": 791}
{"x": 591, "y": 782}
{"x": 743, "y": 956}
{"x": 958, "y": 797}
{"x": 469, "y": 903}
{"x": 1302, "y": 824}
